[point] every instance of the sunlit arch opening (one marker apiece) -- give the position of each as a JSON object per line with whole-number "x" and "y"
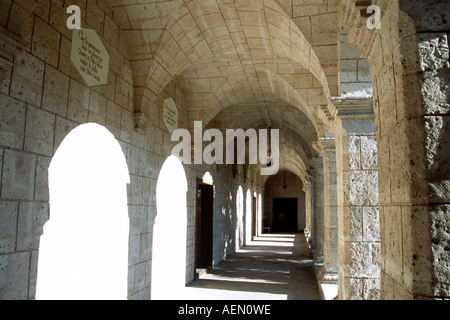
{"x": 169, "y": 232}
{"x": 84, "y": 249}
{"x": 239, "y": 235}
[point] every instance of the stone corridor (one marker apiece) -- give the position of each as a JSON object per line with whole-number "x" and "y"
{"x": 271, "y": 267}
{"x": 299, "y": 148}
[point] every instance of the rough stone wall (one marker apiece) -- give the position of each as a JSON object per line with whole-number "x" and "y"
{"x": 42, "y": 98}
{"x": 433, "y": 47}
{"x": 408, "y": 60}
{"x": 359, "y": 229}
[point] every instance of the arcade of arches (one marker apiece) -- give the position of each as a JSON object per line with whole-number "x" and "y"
{"x": 88, "y": 179}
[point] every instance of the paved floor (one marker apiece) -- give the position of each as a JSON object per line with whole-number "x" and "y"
{"x": 273, "y": 267}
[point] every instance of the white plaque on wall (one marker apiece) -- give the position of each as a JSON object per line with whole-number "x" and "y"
{"x": 170, "y": 115}
{"x": 90, "y": 57}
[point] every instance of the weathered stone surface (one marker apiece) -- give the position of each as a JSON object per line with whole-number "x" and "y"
{"x": 427, "y": 16}
{"x": 433, "y": 51}
{"x": 28, "y": 79}
{"x": 369, "y": 153}
{"x": 371, "y": 224}
{"x": 40, "y": 130}
{"x": 14, "y": 271}
{"x": 440, "y": 238}
{"x": 56, "y": 90}
{"x": 438, "y": 157}
{"x": 436, "y": 92}
{"x": 8, "y": 226}
{"x": 18, "y": 175}
{"x": 31, "y": 220}
{"x": 12, "y": 125}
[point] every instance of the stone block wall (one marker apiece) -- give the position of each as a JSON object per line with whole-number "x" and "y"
{"x": 356, "y": 81}
{"x": 359, "y": 243}
{"x": 408, "y": 60}
{"x": 42, "y": 98}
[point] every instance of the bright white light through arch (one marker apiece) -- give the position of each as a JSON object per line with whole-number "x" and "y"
{"x": 248, "y": 218}
{"x": 208, "y": 179}
{"x": 84, "y": 249}
{"x": 239, "y": 235}
{"x": 169, "y": 232}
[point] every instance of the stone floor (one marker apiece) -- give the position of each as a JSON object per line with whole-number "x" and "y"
{"x": 272, "y": 267}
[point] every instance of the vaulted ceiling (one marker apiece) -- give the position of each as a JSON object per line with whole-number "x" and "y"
{"x": 240, "y": 64}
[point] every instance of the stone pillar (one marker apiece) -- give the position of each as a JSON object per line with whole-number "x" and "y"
{"x": 318, "y": 212}
{"x": 308, "y": 211}
{"x": 359, "y": 243}
{"x": 329, "y": 272}
{"x": 409, "y": 64}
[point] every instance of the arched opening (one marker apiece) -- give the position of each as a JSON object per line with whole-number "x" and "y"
{"x": 84, "y": 249}
{"x": 284, "y": 203}
{"x": 204, "y": 221}
{"x": 169, "y": 231}
{"x": 248, "y": 217}
{"x": 239, "y": 238}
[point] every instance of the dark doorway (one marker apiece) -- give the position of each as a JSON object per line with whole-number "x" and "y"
{"x": 204, "y": 226}
{"x": 285, "y": 215}
{"x": 255, "y": 218}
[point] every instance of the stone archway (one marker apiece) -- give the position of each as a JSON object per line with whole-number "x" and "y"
{"x": 169, "y": 232}
{"x": 84, "y": 248}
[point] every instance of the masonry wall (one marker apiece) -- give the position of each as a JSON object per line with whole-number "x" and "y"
{"x": 359, "y": 244}
{"x": 409, "y": 61}
{"x": 42, "y": 98}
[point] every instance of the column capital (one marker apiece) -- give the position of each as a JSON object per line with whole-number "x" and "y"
{"x": 325, "y": 146}
{"x": 354, "y": 108}
{"x": 354, "y": 115}
{"x": 328, "y": 144}
{"x": 140, "y": 121}
{"x": 307, "y": 184}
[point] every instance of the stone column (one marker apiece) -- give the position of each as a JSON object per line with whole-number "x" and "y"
{"x": 308, "y": 211}
{"x": 359, "y": 243}
{"x": 409, "y": 64}
{"x": 318, "y": 212}
{"x": 329, "y": 272}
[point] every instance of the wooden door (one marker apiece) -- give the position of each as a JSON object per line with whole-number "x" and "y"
{"x": 204, "y": 226}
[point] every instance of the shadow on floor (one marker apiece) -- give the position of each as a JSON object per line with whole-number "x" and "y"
{"x": 272, "y": 267}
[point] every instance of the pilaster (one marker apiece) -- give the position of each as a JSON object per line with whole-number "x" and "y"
{"x": 318, "y": 213}
{"x": 359, "y": 243}
{"x": 329, "y": 271}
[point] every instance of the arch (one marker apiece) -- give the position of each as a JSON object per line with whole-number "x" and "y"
{"x": 274, "y": 188}
{"x": 169, "y": 232}
{"x": 239, "y": 237}
{"x": 208, "y": 178}
{"x": 84, "y": 248}
{"x": 248, "y": 217}
{"x": 270, "y": 88}
{"x": 184, "y": 43}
